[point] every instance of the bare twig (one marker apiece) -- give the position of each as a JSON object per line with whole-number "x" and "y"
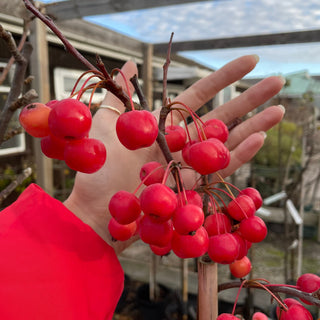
{"x": 165, "y": 72}
{"x": 19, "y": 48}
{"x": 139, "y": 92}
{"x": 18, "y": 181}
{"x": 11, "y": 44}
{"x": 27, "y": 98}
{"x": 11, "y": 133}
{"x": 16, "y": 89}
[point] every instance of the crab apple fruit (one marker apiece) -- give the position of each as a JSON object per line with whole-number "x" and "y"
{"x": 176, "y": 137}
{"x": 124, "y": 207}
{"x": 51, "y": 103}
{"x": 243, "y": 245}
{"x": 53, "y": 147}
{"x": 288, "y": 302}
{"x": 259, "y": 316}
{"x": 253, "y": 229}
{"x": 70, "y": 119}
{"x": 121, "y": 232}
{"x": 137, "y": 129}
{"x": 217, "y": 223}
{"x": 240, "y": 268}
{"x": 155, "y": 232}
{"x": 241, "y": 207}
{"x": 152, "y": 172}
{"x": 159, "y": 201}
{"x": 190, "y": 197}
{"x": 223, "y": 248}
{"x": 215, "y": 128}
{"x": 295, "y": 312}
{"x": 34, "y": 119}
{"x": 255, "y": 195}
{"x": 208, "y": 156}
{"x": 187, "y": 219}
{"x": 308, "y": 282}
{"x": 227, "y": 316}
{"x": 190, "y": 246}
{"x": 85, "y": 155}
{"x": 185, "y": 151}
{"x": 161, "y": 251}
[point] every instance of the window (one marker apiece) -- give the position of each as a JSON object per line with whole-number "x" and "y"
{"x": 65, "y": 79}
{"x": 17, "y": 143}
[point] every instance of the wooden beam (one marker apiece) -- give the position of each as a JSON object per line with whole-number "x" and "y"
{"x": 237, "y": 42}
{"x": 72, "y": 9}
{"x": 39, "y": 64}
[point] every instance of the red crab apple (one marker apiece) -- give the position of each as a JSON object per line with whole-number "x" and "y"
{"x": 223, "y": 248}
{"x": 70, "y": 119}
{"x": 208, "y": 156}
{"x": 190, "y": 246}
{"x": 240, "y": 268}
{"x": 176, "y": 137}
{"x": 217, "y": 223}
{"x": 124, "y": 207}
{"x": 241, "y": 207}
{"x": 215, "y": 128}
{"x": 188, "y": 218}
{"x": 121, "y": 232}
{"x": 159, "y": 201}
{"x": 161, "y": 251}
{"x": 227, "y": 316}
{"x": 253, "y": 229}
{"x": 34, "y": 119}
{"x": 186, "y": 151}
{"x": 296, "y": 311}
{"x": 255, "y": 195}
{"x": 190, "y": 197}
{"x": 259, "y": 316}
{"x": 86, "y": 155}
{"x": 152, "y": 172}
{"x": 244, "y": 245}
{"x": 308, "y": 282}
{"x": 155, "y": 232}
{"x": 53, "y": 147}
{"x": 137, "y": 129}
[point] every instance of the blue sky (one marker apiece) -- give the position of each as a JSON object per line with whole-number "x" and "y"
{"x": 228, "y": 18}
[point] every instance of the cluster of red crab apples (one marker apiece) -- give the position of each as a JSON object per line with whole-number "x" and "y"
{"x": 165, "y": 219}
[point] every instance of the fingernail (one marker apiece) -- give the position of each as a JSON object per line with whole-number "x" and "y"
{"x": 282, "y": 108}
{"x": 263, "y": 134}
{"x": 256, "y": 57}
{"x": 283, "y": 79}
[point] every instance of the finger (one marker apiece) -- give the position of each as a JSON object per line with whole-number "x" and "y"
{"x": 262, "y": 121}
{"x": 129, "y": 69}
{"x": 244, "y": 152}
{"x": 248, "y": 100}
{"x": 205, "y": 89}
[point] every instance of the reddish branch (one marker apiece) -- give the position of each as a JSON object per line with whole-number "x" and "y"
{"x": 109, "y": 83}
{"x": 311, "y": 297}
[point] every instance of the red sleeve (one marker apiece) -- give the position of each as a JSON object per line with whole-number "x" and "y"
{"x": 52, "y": 265}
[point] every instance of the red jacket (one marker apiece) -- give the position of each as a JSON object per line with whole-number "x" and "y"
{"x": 52, "y": 265}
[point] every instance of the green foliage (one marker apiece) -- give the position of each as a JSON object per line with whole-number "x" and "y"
{"x": 283, "y": 143}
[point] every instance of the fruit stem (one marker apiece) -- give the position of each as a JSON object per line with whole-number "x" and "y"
{"x": 126, "y": 83}
{"x": 237, "y": 297}
{"x": 82, "y": 75}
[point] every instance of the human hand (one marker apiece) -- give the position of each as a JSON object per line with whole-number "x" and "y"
{"x": 92, "y": 192}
